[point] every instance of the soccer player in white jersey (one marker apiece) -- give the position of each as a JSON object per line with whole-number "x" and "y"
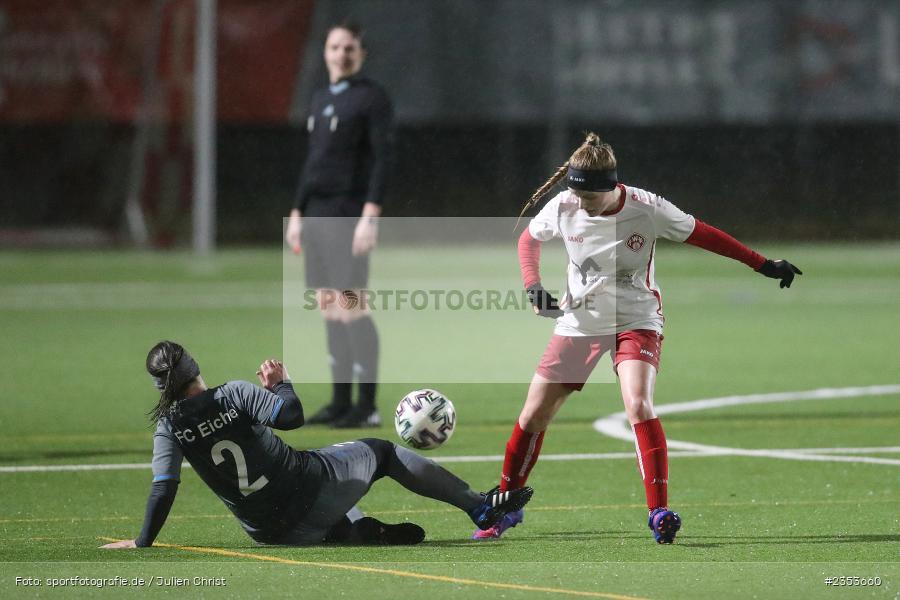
{"x": 611, "y": 303}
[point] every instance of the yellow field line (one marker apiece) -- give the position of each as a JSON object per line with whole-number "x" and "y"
{"x": 394, "y": 572}
{"x": 550, "y": 508}
{"x": 116, "y": 518}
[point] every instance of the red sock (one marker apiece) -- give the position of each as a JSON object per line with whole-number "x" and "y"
{"x": 653, "y": 461}
{"x": 522, "y": 452}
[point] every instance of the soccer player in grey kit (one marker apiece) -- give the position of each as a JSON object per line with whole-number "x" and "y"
{"x": 278, "y": 494}
{"x": 338, "y": 202}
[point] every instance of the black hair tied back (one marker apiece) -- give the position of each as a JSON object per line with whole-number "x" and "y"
{"x": 171, "y": 368}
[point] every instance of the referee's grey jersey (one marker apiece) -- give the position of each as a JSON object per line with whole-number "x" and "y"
{"x": 224, "y": 433}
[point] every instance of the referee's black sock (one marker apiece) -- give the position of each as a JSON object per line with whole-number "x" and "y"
{"x": 364, "y": 341}
{"x": 341, "y": 358}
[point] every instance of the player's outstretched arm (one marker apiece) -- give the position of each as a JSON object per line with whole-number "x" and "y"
{"x": 779, "y": 269}
{"x": 715, "y": 240}
{"x": 159, "y": 503}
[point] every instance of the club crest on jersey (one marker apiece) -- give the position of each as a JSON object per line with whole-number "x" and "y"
{"x": 635, "y": 242}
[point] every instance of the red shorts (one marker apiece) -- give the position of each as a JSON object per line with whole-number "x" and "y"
{"x": 570, "y": 360}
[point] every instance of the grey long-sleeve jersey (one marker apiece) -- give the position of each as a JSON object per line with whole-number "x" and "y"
{"x": 225, "y": 434}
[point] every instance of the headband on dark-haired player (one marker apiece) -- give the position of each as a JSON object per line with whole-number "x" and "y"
{"x": 183, "y": 372}
{"x": 592, "y": 180}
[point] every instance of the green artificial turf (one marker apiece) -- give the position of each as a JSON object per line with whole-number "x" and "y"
{"x": 77, "y": 327}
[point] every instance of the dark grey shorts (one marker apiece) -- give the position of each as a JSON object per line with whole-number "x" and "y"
{"x": 328, "y": 257}
{"x": 352, "y": 468}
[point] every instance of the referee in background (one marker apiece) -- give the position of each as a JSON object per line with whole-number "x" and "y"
{"x": 335, "y": 219}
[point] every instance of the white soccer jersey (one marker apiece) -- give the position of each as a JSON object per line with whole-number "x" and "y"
{"x": 610, "y": 286}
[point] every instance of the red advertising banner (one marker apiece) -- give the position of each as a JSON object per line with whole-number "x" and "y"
{"x": 84, "y": 59}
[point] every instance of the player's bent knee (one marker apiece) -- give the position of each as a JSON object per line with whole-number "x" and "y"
{"x": 384, "y": 454}
{"x": 639, "y": 408}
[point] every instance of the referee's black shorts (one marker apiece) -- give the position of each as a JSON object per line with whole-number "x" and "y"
{"x": 327, "y": 239}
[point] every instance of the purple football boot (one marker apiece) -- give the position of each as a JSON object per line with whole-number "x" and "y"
{"x": 509, "y": 520}
{"x": 664, "y": 524}
{"x": 498, "y": 511}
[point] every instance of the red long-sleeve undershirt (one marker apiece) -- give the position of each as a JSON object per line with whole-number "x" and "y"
{"x": 529, "y": 258}
{"x": 704, "y": 236}
{"x": 715, "y": 240}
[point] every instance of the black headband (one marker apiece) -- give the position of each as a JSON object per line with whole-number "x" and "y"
{"x": 184, "y": 371}
{"x": 592, "y": 180}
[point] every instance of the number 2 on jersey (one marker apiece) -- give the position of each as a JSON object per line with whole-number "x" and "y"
{"x": 244, "y": 484}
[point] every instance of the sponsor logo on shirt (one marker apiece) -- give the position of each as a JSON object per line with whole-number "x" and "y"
{"x": 207, "y": 428}
{"x": 635, "y": 242}
{"x": 575, "y": 238}
{"x": 586, "y": 268}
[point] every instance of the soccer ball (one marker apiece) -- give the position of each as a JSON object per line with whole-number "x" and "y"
{"x": 425, "y": 419}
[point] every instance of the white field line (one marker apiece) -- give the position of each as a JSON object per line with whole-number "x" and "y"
{"x": 466, "y": 459}
{"x": 139, "y": 295}
{"x": 870, "y": 450}
{"x": 616, "y": 425}
{"x": 88, "y": 467}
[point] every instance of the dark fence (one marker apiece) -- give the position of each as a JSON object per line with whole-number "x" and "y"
{"x": 771, "y": 118}
{"x": 791, "y": 182}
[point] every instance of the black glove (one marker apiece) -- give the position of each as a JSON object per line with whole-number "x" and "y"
{"x": 780, "y": 269}
{"x": 544, "y": 304}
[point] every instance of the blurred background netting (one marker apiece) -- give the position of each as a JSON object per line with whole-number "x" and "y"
{"x": 738, "y": 111}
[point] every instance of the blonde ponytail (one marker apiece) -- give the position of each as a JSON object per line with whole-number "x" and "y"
{"x": 542, "y": 191}
{"x": 592, "y": 154}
